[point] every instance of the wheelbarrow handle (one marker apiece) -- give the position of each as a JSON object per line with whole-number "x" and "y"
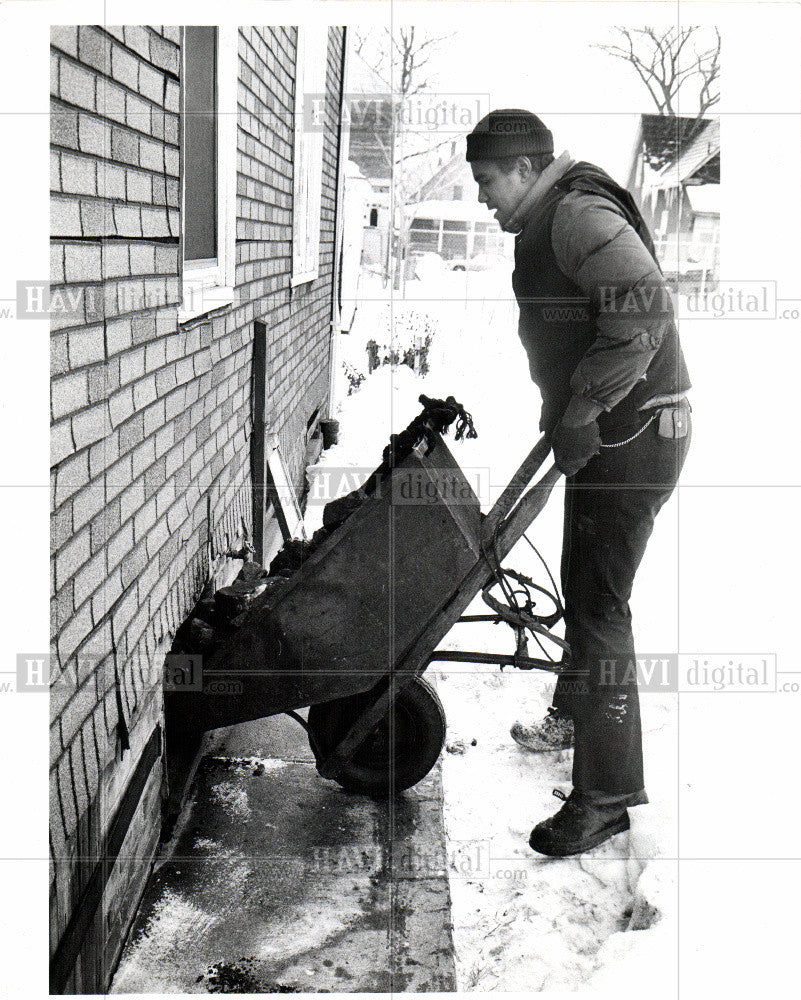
{"x": 517, "y": 522}
{"x": 517, "y": 485}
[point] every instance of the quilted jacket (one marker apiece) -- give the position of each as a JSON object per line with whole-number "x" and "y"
{"x": 596, "y": 318}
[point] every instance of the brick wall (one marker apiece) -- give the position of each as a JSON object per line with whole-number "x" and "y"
{"x": 151, "y": 420}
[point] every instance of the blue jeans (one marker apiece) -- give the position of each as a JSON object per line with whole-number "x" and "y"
{"x": 610, "y": 507}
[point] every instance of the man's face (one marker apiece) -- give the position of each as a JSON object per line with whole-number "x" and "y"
{"x": 499, "y": 191}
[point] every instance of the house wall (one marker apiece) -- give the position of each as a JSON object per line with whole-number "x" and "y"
{"x": 681, "y": 248}
{"x": 151, "y": 425}
{"x": 453, "y": 182}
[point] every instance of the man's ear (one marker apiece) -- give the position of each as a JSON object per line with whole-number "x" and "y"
{"x": 525, "y": 169}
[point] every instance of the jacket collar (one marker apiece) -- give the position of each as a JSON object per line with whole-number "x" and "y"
{"x": 536, "y": 193}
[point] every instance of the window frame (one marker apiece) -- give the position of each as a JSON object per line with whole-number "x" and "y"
{"x": 210, "y": 286}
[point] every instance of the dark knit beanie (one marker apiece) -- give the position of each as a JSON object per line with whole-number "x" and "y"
{"x": 508, "y": 132}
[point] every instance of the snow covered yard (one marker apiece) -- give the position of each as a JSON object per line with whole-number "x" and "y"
{"x": 525, "y": 922}
{"x": 522, "y": 922}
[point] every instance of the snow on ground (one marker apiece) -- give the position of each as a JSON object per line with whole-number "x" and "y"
{"x": 521, "y": 922}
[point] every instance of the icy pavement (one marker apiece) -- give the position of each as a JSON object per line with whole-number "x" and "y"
{"x": 279, "y": 882}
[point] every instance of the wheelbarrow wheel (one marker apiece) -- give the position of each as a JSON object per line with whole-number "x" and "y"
{"x": 398, "y": 753}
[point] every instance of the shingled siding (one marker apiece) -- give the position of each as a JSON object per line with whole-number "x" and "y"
{"x": 151, "y": 420}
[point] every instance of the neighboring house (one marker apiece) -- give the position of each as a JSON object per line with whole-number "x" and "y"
{"x": 358, "y": 225}
{"x": 370, "y": 113}
{"x": 452, "y": 229}
{"x": 675, "y": 176}
{"x": 371, "y": 120}
{"x": 445, "y": 216}
{"x": 453, "y": 179}
{"x": 194, "y": 292}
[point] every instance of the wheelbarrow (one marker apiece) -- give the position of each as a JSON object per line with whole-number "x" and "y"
{"x": 351, "y": 632}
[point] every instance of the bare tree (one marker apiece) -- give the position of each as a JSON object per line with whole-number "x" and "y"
{"x": 680, "y": 67}
{"x": 408, "y": 48}
{"x": 399, "y": 58}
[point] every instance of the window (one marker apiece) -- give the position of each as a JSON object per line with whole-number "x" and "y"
{"x": 373, "y": 217}
{"x": 209, "y": 139}
{"x": 200, "y": 146}
{"x": 454, "y": 238}
{"x": 487, "y": 238}
{"x": 454, "y": 245}
{"x": 424, "y": 235}
{"x": 310, "y": 72}
{"x": 419, "y": 240}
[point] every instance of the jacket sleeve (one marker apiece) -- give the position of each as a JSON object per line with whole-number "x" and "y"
{"x": 597, "y": 249}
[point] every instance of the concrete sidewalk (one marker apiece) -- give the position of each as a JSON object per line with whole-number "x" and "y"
{"x": 278, "y": 881}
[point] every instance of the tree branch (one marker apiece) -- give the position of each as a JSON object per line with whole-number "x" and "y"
{"x": 658, "y": 58}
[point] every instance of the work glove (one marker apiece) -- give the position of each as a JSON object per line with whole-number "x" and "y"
{"x": 573, "y": 447}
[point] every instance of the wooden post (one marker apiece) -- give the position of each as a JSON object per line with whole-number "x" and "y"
{"x": 258, "y": 449}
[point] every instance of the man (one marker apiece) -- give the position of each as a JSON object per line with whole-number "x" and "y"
{"x": 596, "y": 321}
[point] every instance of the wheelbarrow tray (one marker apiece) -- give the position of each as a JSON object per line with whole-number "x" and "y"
{"x": 359, "y": 602}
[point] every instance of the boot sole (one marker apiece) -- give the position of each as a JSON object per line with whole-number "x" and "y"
{"x": 542, "y": 749}
{"x": 566, "y": 850}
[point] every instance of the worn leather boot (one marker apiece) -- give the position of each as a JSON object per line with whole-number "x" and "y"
{"x": 581, "y": 824}
{"x": 554, "y": 732}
